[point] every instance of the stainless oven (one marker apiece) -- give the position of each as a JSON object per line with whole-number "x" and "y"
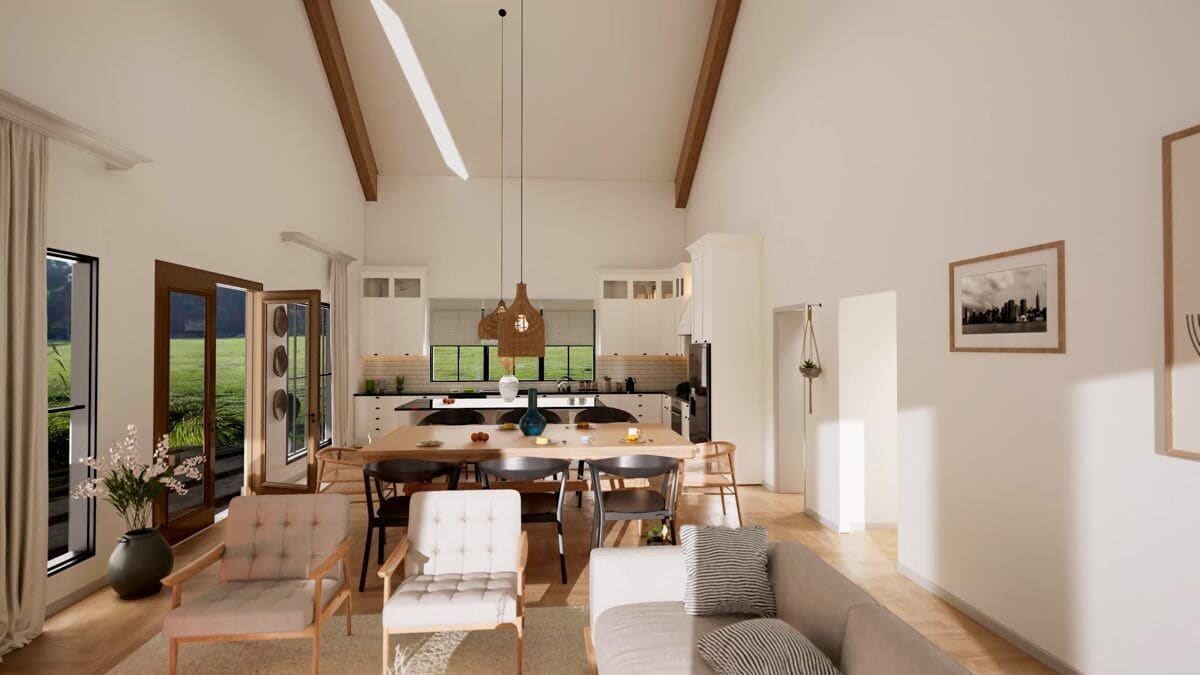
{"x": 677, "y": 415}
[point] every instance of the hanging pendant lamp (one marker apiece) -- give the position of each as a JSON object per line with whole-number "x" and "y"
{"x": 522, "y": 330}
{"x": 489, "y": 326}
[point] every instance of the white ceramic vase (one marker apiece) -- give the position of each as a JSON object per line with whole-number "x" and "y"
{"x": 509, "y": 386}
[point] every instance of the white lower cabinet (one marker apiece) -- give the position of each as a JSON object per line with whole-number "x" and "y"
{"x": 374, "y": 416}
{"x": 647, "y": 408}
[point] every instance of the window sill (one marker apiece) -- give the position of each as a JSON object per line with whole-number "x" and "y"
{"x": 67, "y": 561}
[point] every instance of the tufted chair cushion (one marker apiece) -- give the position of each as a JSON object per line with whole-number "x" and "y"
{"x": 467, "y": 532}
{"x": 272, "y": 537}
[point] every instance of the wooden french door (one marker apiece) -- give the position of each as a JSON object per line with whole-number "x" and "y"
{"x": 286, "y": 330}
{"x": 185, "y": 389}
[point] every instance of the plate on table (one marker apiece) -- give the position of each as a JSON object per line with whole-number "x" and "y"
{"x": 431, "y": 443}
{"x": 507, "y": 426}
{"x": 639, "y": 441}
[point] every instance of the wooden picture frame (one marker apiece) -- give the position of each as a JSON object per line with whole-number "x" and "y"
{"x": 1019, "y": 324}
{"x": 1181, "y": 234}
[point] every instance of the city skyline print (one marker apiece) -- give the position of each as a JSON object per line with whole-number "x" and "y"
{"x": 1009, "y": 302}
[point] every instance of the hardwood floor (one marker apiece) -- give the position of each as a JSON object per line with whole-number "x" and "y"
{"x": 98, "y": 632}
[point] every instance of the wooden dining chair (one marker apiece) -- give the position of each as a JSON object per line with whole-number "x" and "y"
{"x": 393, "y": 511}
{"x": 601, "y": 414}
{"x": 338, "y": 472}
{"x": 711, "y": 473}
{"x": 637, "y": 503}
{"x": 536, "y": 507}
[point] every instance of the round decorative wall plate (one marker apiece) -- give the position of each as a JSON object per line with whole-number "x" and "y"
{"x": 280, "y": 321}
{"x": 280, "y": 402}
{"x": 279, "y": 361}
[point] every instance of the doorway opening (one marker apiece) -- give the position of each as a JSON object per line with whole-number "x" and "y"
{"x": 790, "y": 417}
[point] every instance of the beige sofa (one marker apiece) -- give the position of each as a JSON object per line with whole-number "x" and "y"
{"x": 638, "y": 624}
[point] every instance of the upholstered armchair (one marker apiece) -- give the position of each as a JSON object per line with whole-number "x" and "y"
{"x": 284, "y": 571}
{"x": 464, "y": 566}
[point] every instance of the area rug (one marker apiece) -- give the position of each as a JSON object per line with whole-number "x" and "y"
{"x": 553, "y": 644}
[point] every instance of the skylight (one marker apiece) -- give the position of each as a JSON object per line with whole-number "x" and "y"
{"x": 397, "y": 36}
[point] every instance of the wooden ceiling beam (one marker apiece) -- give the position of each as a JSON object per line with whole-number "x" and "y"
{"x": 719, "y": 35}
{"x": 337, "y": 71}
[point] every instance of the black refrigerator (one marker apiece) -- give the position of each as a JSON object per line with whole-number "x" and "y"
{"x": 700, "y": 379}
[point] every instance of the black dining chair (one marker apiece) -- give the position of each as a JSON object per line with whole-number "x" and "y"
{"x": 384, "y": 512}
{"x": 453, "y": 418}
{"x": 536, "y": 507}
{"x": 601, "y": 414}
{"x": 634, "y": 503}
{"x": 514, "y": 416}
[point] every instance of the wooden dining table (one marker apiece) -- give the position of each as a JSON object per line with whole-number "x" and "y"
{"x": 566, "y": 442}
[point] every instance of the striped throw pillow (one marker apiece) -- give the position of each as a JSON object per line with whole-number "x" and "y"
{"x": 726, "y": 571}
{"x": 762, "y": 646}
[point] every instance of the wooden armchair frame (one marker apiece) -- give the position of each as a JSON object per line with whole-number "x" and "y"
{"x": 398, "y": 555}
{"x": 313, "y": 631}
{"x": 718, "y": 474}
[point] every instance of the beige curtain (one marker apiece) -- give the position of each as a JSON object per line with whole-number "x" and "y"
{"x": 23, "y": 489}
{"x": 343, "y": 408}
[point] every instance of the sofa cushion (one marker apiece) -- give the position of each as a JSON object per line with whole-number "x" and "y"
{"x": 726, "y": 570}
{"x": 762, "y": 647}
{"x": 813, "y": 597}
{"x": 653, "y": 637}
{"x": 453, "y": 600}
{"x": 877, "y": 641}
{"x": 269, "y": 606}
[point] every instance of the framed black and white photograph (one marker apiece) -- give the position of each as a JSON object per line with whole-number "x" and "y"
{"x": 1013, "y": 301}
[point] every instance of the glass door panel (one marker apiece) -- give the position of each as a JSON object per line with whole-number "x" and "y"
{"x": 188, "y": 418}
{"x": 288, "y": 330}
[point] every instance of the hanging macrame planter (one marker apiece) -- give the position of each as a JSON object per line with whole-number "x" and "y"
{"x": 810, "y": 367}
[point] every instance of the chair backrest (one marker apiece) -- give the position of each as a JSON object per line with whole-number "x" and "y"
{"x": 705, "y": 462}
{"x": 515, "y": 415}
{"x": 603, "y": 414}
{"x": 523, "y": 468}
{"x": 463, "y": 532}
{"x": 375, "y": 474}
{"x": 269, "y": 537}
{"x": 454, "y": 418}
{"x": 636, "y": 466}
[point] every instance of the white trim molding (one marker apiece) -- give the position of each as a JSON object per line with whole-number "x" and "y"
{"x": 116, "y": 157}
{"x": 1050, "y": 660}
{"x": 317, "y": 245}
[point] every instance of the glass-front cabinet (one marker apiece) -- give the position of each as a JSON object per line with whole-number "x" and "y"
{"x": 640, "y": 309}
{"x": 394, "y": 311}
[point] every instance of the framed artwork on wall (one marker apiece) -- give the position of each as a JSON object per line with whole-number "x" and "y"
{"x": 1013, "y": 301}
{"x": 1181, "y": 292}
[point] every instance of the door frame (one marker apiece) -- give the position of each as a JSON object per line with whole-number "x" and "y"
{"x": 168, "y": 278}
{"x": 259, "y": 416}
{"x": 776, "y": 481}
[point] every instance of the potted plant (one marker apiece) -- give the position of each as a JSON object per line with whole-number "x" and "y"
{"x": 142, "y": 556}
{"x": 399, "y": 383}
{"x": 809, "y": 369}
{"x": 657, "y": 536}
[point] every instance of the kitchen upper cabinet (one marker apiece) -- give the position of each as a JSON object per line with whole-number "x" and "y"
{"x": 702, "y": 296}
{"x": 640, "y": 310}
{"x": 725, "y": 287}
{"x": 393, "y": 311}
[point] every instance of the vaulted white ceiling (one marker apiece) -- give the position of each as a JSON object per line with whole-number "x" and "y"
{"x": 608, "y": 84}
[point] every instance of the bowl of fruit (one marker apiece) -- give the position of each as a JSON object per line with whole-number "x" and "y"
{"x": 479, "y": 437}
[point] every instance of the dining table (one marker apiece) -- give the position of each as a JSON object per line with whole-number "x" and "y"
{"x": 563, "y": 441}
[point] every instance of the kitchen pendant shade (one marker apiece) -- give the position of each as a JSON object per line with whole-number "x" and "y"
{"x": 522, "y": 330}
{"x": 489, "y": 325}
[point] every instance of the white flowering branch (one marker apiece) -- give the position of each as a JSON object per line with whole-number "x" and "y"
{"x": 130, "y": 485}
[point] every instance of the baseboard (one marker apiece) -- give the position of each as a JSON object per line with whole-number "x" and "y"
{"x": 1051, "y": 661}
{"x": 75, "y": 596}
{"x": 820, "y": 519}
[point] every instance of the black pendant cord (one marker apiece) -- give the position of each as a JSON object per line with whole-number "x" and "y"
{"x": 503, "y": 13}
{"x": 522, "y": 141}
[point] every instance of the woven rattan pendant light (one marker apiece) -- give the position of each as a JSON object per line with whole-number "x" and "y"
{"x": 522, "y": 329}
{"x": 489, "y": 326}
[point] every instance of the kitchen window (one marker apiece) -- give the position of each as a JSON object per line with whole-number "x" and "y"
{"x": 575, "y": 362}
{"x": 456, "y": 363}
{"x": 71, "y": 294}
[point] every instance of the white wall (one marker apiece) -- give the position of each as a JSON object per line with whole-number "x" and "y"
{"x": 572, "y": 229}
{"x": 866, "y": 375}
{"x": 872, "y": 143}
{"x": 230, "y": 101}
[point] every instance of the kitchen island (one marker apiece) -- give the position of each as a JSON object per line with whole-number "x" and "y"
{"x": 494, "y": 402}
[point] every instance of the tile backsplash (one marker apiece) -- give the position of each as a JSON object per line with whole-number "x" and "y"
{"x": 653, "y": 373}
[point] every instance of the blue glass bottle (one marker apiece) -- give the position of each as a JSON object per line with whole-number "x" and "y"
{"x": 532, "y": 423}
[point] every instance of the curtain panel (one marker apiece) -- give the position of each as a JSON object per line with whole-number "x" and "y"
{"x": 23, "y": 464}
{"x": 343, "y": 408}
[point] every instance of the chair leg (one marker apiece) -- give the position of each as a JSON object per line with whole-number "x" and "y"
{"x": 579, "y": 494}
{"x": 382, "y": 542}
{"x": 349, "y": 614}
{"x": 562, "y": 556}
{"x": 671, "y": 529}
{"x": 362, "y": 578}
{"x": 737, "y": 504}
{"x": 520, "y": 639}
{"x": 721, "y": 492}
{"x": 316, "y": 664}
{"x": 386, "y": 649}
{"x": 172, "y": 656}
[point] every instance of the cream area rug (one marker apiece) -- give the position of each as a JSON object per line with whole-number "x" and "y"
{"x": 553, "y": 644}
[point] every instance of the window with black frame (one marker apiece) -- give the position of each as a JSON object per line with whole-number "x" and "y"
{"x": 71, "y": 293}
{"x": 326, "y": 384}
